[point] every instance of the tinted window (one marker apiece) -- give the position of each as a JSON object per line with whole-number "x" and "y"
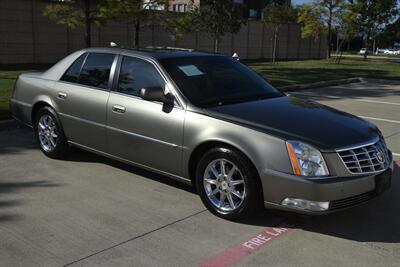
{"x": 136, "y": 74}
{"x": 96, "y": 70}
{"x": 72, "y": 74}
{"x": 216, "y": 80}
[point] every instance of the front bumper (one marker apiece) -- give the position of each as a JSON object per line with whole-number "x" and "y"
{"x": 340, "y": 192}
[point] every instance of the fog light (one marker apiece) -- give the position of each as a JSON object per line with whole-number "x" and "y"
{"x": 305, "y": 204}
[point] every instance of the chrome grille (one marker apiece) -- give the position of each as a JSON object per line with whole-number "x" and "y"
{"x": 366, "y": 159}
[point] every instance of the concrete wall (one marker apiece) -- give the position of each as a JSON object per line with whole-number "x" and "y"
{"x": 28, "y": 37}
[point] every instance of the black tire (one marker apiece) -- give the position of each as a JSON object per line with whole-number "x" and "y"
{"x": 252, "y": 202}
{"x": 61, "y": 145}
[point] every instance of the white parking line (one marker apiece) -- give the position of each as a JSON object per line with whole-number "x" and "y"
{"x": 396, "y": 154}
{"x": 378, "y": 119}
{"x": 375, "y": 101}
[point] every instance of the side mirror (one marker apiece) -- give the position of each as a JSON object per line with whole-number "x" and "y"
{"x": 152, "y": 94}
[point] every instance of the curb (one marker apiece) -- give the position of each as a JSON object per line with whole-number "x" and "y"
{"x": 296, "y": 87}
{"x": 381, "y": 81}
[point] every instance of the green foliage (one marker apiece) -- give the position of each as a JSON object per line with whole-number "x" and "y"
{"x": 180, "y": 24}
{"x": 311, "y": 21}
{"x": 215, "y": 17}
{"x": 65, "y": 14}
{"x": 371, "y": 17}
{"x": 279, "y": 14}
{"x": 129, "y": 10}
{"x": 71, "y": 13}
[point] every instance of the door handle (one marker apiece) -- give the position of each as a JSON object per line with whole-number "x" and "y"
{"x": 118, "y": 109}
{"x": 62, "y": 96}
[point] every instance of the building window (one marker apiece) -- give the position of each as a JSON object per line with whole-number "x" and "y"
{"x": 179, "y": 8}
{"x": 253, "y": 13}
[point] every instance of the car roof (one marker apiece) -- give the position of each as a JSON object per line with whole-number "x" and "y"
{"x": 153, "y": 52}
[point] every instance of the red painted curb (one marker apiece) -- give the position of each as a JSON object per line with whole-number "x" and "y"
{"x": 247, "y": 247}
{"x": 397, "y": 163}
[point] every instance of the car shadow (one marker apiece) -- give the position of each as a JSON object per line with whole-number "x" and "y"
{"x": 374, "y": 221}
{"x": 79, "y": 155}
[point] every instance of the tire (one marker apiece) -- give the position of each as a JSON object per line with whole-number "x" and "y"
{"x": 49, "y": 134}
{"x": 210, "y": 191}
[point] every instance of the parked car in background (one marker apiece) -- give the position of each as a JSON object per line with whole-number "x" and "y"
{"x": 364, "y": 50}
{"x": 207, "y": 120}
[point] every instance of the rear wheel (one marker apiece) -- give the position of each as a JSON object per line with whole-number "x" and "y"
{"x": 49, "y": 134}
{"x": 228, "y": 184}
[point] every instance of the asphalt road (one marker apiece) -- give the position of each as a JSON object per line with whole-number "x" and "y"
{"x": 91, "y": 211}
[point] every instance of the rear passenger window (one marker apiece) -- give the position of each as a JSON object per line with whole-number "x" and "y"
{"x": 136, "y": 74}
{"x": 72, "y": 74}
{"x": 96, "y": 70}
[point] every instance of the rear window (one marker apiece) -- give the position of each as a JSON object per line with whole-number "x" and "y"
{"x": 96, "y": 70}
{"x": 72, "y": 74}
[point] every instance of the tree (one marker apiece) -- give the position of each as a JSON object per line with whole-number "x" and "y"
{"x": 74, "y": 13}
{"x": 131, "y": 11}
{"x": 215, "y": 17}
{"x": 278, "y": 14}
{"x": 320, "y": 16}
{"x": 371, "y": 17}
{"x": 311, "y": 22}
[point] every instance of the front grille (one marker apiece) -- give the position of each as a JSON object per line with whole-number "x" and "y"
{"x": 351, "y": 201}
{"x": 370, "y": 158}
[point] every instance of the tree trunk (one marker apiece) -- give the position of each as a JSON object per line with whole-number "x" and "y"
{"x": 366, "y": 46}
{"x": 88, "y": 25}
{"x": 328, "y": 53}
{"x": 216, "y": 44}
{"x": 137, "y": 33}
{"x": 275, "y": 43}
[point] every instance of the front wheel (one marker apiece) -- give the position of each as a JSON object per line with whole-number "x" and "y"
{"x": 49, "y": 134}
{"x": 228, "y": 184}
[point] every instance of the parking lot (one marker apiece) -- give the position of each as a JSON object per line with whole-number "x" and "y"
{"x": 91, "y": 211}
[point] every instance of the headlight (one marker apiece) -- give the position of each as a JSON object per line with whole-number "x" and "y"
{"x": 306, "y": 160}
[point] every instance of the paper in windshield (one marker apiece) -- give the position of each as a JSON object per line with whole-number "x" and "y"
{"x": 190, "y": 70}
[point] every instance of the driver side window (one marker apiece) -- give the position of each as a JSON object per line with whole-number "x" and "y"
{"x": 136, "y": 74}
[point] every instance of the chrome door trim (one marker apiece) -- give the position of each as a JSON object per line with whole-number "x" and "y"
{"x": 143, "y": 137}
{"x": 173, "y": 176}
{"x": 118, "y": 130}
{"x": 80, "y": 119}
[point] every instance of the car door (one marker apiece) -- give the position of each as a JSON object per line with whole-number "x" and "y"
{"x": 81, "y": 95}
{"x": 141, "y": 131}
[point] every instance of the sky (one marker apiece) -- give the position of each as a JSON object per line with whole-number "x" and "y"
{"x": 299, "y": 2}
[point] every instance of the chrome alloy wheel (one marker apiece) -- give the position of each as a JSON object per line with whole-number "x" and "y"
{"x": 47, "y": 131}
{"x": 224, "y": 185}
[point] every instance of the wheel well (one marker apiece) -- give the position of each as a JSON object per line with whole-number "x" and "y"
{"x": 203, "y": 148}
{"x": 36, "y": 108}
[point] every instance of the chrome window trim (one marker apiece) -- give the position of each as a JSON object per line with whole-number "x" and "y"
{"x": 169, "y": 85}
{"x": 110, "y": 78}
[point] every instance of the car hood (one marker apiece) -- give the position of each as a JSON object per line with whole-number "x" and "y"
{"x": 293, "y": 118}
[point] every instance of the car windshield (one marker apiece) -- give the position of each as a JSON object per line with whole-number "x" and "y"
{"x": 209, "y": 81}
